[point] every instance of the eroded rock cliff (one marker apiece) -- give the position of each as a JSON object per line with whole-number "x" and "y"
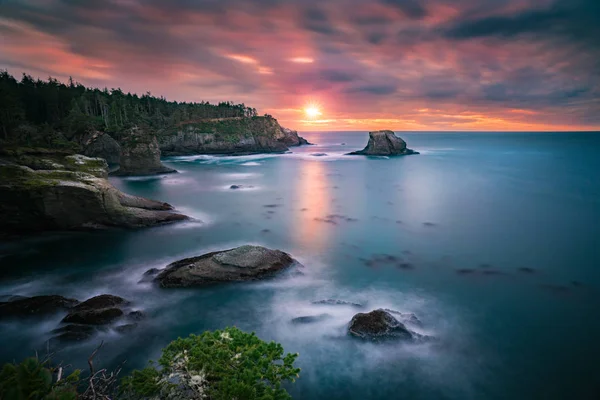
{"x": 57, "y": 192}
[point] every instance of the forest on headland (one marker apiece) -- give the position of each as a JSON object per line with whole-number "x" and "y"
{"x": 50, "y": 113}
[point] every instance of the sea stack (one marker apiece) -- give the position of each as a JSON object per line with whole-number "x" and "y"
{"x": 384, "y": 143}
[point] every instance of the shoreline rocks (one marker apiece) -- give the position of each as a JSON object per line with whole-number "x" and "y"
{"x": 69, "y": 193}
{"x": 36, "y": 306}
{"x": 384, "y": 143}
{"x": 244, "y": 263}
{"x": 228, "y": 136}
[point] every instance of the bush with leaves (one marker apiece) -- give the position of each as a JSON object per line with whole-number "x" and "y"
{"x": 36, "y": 380}
{"x": 220, "y": 365}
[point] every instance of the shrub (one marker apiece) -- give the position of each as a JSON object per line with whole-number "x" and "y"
{"x": 35, "y": 380}
{"x": 220, "y": 365}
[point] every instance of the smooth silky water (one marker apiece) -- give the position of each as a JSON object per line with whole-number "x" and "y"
{"x": 496, "y": 245}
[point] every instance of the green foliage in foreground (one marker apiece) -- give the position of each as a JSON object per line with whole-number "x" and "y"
{"x": 220, "y": 365}
{"x": 36, "y": 380}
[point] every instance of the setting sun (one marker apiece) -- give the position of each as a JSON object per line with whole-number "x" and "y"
{"x": 312, "y": 111}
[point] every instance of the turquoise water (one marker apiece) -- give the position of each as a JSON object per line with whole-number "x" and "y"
{"x": 496, "y": 235}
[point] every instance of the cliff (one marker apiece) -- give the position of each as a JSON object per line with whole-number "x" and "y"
{"x": 384, "y": 143}
{"x": 233, "y": 136}
{"x": 47, "y": 191}
{"x": 140, "y": 154}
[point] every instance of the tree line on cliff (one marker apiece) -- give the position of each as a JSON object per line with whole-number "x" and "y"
{"x": 53, "y": 114}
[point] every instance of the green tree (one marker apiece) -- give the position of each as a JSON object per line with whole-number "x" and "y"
{"x": 219, "y": 365}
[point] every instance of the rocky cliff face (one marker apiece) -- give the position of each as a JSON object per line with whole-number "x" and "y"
{"x": 66, "y": 193}
{"x": 140, "y": 154}
{"x": 234, "y": 136}
{"x": 384, "y": 143}
{"x": 100, "y": 144}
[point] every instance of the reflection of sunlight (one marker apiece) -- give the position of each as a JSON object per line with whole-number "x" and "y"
{"x": 312, "y": 196}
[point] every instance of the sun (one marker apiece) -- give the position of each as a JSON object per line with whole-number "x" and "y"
{"x": 312, "y": 111}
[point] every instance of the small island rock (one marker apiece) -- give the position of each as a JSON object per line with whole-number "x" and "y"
{"x": 384, "y": 143}
{"x": 243, "y": 263}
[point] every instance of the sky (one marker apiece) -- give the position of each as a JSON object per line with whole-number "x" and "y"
{"x": 405, "y": 65}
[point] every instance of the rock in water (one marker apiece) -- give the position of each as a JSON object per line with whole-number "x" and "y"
{"x": 243, "y": 263}
{"x": 36, "y": 306}
{"x": 140, "y": 154}
{"x": 384, "y": 143}
{"x": 310, "y": 319}
{"x": 377, "y": 325}
{"x": 99, "y": 310}
{"x": 291, "y": 138}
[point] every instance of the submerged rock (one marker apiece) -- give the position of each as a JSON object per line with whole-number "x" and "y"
{"x": 94, "y": 317}
{"x": 73, "y": 333}
{"x": 310, "y": 319}
{"x": 240, "y": 264}
{"x": 334, "y": 302}
{"x": 36, "y": 306}
{"x": 377, "y": 325}
{"x": 384, "y": 143}
{"x": 126, "y": 328}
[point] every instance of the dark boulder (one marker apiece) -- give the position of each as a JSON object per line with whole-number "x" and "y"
{"x": 99, "y": 144}
{"x": 244, "y": 263}
{"x": 384, "y": 143}
{"x": 36, "y": 306}
{"x": 100, "y": 302}
{"x": 378, "y": 325}
{"x": 99, "y": 310}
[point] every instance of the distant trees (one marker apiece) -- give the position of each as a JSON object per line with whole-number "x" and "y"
{"x": 30, "y": 109}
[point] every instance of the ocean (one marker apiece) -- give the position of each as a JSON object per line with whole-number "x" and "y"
{"x": 491, "y": 239}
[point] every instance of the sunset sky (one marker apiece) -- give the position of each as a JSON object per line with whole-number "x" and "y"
{"x": 396, "y": 64}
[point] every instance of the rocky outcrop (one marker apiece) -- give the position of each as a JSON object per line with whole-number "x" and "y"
{"x": 86, "y": 319}
{"x": 233, "y": 136}
{"x": 243, "y": 263}
{"x": 36, "y": 306}
{"x": 140, "y": 154}
{"x": 378, "y": 325}
{"x": 290, "y": 138}
{"x": 74, "y": 194}
{"x": 384, "y": 143}
{"x": 102, "y": 145}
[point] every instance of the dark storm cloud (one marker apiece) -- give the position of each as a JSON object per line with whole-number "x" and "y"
{"x": 572, "y": 19}
{"x": 411, "y": 8}
{"x": 316, "y": 20}
{"x": 373, "y": 89}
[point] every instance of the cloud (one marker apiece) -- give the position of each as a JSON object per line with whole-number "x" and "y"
{"x": 364, "y": 61}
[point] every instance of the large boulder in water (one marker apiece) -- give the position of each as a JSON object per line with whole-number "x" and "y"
{"x": 384, "y": 143}
{"x": 36, "y": 306}
{"x": 377, "y": 325}
{"x": 99, "y": 310}
{"x": 243, "y": 263}
{"x": 290, "y": 138}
